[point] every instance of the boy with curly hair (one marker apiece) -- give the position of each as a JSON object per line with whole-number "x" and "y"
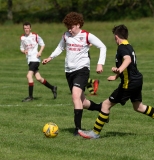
{"x": 77, "y": 42}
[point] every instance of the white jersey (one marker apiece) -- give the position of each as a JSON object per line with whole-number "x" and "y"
{"x": 30, "y": 43}
{"x": 77, "y": 48}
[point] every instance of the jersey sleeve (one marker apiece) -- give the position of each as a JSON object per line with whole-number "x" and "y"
{"x": 40, "y": 40}
{"x": 100, "y": 45}
{"x": 59, "y": 49}
{"x": 22, "y": 44}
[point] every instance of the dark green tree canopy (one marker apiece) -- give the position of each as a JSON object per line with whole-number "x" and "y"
{"x": 92, "y": 10}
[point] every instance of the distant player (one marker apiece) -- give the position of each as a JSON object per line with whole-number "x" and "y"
{"x": 92, "y": 86}
{"x": 29, "y": 47}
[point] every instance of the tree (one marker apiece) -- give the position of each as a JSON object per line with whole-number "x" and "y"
{"x": 10, "y": 5}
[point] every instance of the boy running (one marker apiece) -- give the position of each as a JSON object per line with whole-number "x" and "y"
{"x": 29, "y": 47}
{"x": 129, "y": 88}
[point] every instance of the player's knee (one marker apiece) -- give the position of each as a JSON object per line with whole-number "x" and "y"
{"x": 106, "y": 104}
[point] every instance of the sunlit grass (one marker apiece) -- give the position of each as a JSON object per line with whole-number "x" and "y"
{"x": 128, "y": 136}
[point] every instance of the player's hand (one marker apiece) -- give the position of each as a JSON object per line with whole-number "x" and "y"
{"x": 45, "y": 61}
{"x": 115, "y": 70}
{"x": 25, "y": 51}
{"x": 38, "y": 54}
{"x": 111, "y": 78}
{"x": 99, "y": 68}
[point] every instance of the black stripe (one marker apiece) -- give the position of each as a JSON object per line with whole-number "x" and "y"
{"x": 151, "y": 112}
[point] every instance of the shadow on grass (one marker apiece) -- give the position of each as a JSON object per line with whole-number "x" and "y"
{"x": 120, "y": 134}
{"x": 37, "y": 98}
{"x": 108, "y": 134}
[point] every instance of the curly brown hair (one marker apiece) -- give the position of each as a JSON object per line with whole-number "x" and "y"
{"x": 73, "y": 18}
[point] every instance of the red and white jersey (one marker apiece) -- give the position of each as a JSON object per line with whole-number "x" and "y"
{"x": 77, "y": 48}
{"x": 30, "y": 43}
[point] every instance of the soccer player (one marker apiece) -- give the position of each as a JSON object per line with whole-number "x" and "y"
{"x": 92, "y": 86}
{"x": 129, "y": 88}
{"x": 29, "y": 47}
{"x": 77, "y": 62}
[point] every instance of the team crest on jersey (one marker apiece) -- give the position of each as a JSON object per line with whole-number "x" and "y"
{"x": 81, "y": 38}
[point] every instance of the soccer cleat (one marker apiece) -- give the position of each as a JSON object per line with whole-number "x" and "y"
{"x": 88, "y": 134}
{"x": 95, "y": 85}
{"x": 27, "y": 99}
{"x": 54, "y": 91}
{"x": 93, "y": 94}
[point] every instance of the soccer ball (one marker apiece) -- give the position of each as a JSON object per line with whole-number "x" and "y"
{"x": 50, "y": 130}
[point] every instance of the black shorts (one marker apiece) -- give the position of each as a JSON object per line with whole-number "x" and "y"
{"x": 33, "y": 66}
{"x": 78, "y": 78}
{"x": 121, "y": 95}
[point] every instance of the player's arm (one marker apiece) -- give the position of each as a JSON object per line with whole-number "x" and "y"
{"x": 40, "y": 51}
{"x": 22, "y": 49}
{"x": 42, "y": 45}
{"x": 124, "y": 65}
{"x": 102, "y": 56}
{"x": 118, "y": 71}
{"x": 57, "y": 51}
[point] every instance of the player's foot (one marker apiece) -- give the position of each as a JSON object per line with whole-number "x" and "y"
{"x": 95, "y": 85}
{"x": 27, "y": 99}
{"x": 76, "y": 132}
{"x": 93, "y": 94}
{"x": 54, "y": 91}
{"x": 88, "y": 134}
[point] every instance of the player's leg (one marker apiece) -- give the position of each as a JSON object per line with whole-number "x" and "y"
{"x": 118, "y": 96}
{"x": 100, "y": 121}
{"x": 77, "y": 82}
{"x": 32, "y": 68}
{"x": 136, "y": 99}
{"x": 90, "y": 105}
{"x": 46, "y": 83}
{"x": 30, "y": 86}
{"x": 145, "y": 109}
{"x": 90, "y": 86}
{"x": 78, "y": 108}
{"x": 95, "y": 85}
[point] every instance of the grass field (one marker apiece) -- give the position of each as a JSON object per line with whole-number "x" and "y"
{"x": 128, "y": 136}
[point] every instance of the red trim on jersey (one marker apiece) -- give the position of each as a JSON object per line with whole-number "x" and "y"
{"x": 36, "y": 36}
{"x": 87, "y": 33}
{"x": 21, "y": 36}
{"x": 64, "y": 37}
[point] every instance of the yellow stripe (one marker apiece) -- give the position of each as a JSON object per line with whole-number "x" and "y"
{"x": 96, "y": 131}
{"x": 103, "y": 116}
{"x": 125, "y": 42}
{"x": 98, "y": 127}
{"x": 100, "y": 122}
{"x": 149, "y": 110}
{"x": 126, "y": 81}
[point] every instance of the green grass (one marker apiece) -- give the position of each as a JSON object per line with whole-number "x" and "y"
{"x": 128, "y": 136}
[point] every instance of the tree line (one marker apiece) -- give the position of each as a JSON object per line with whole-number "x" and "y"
{"x": 18, "y": 11}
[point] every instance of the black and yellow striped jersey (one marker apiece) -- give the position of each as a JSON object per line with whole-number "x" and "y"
{"x": 130, "y": 77}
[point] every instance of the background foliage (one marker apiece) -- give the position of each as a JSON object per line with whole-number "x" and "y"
{"x": 93, "y": 10}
